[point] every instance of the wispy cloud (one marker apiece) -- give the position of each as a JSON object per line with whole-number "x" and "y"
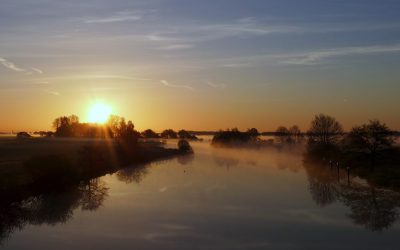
{"x": 11, "y": 65}
{"x": 39, "y": 71}
{"x": 235, "y": 65}
{"x": 51, "y": 92}
{"x": 117, "y": 17}
{"x": 315, "y": 57}
{"x": 97, "y": 76}
{"x": 215, "y": 85}
{"x": 177, "y": 47}
{"x": 167, "y": 84}
{"x": 194, "y": 32}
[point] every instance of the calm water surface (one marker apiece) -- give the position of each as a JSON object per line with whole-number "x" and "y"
{"x": 217, "y": 199}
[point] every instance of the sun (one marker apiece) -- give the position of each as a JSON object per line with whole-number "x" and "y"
{"x": 99, "y": 113}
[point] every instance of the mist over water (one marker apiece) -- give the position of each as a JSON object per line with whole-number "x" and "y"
{"x": 271, "y": 198}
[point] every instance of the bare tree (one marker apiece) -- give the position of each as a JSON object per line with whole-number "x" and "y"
{"x": 325, "y": 130}
{"x": 282, "y": 134}
{"x": 295, "y": 133}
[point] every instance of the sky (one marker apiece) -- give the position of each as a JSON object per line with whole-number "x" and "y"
{"x": 200, "y": 65}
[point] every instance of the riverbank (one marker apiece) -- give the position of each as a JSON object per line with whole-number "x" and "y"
{"x": 36, "y": 165}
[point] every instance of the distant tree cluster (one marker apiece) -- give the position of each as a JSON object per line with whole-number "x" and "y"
{"x": 169, "y": 134}
{"x": 324, "y": 132}
{"x": 148, "y": 133}
{"x": 120, "y": 129}
{"x": 115, "y": 127}
{"x": 23, "y": 135}
{"x": 370, "y": 138}
{"x": 235, "y": 137}
{"x": 181, "y": 134}
{"x": 44, "y": 133}
{"x": 291, "y": 135}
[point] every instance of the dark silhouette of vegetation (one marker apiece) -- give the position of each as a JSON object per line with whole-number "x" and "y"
{"x": 324, "y": 130}
{"x": 295, "y": 134}
{"x": 373, "y": 207}
{"x": 254, "y": 134}
{"x": 370, "y": 138}
{"x": 51, "y": 163}
{"x": 49, "y": 208}
{"x": 148, "y": 133}
{"x": 184, "y": 146}
{"x": 66, "y": 126}
{"x": 44, "y": 133}
{"x": 23, "y": 135}
{"x": 285, "y": 135}
{"x": 169, "y": 134}
{"x": 183, "y": 134}
{"x": 232, "y": 137}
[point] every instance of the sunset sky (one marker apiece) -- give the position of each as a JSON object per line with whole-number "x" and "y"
{"x": 200, "y": 65}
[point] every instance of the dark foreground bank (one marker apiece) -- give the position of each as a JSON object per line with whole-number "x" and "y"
{"x": 37, "y": 165}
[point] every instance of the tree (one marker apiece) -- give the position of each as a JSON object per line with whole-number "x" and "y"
{"x": 232, "y": 137}
{"x": 254, "y": 134}
{"x": 183, "y": 134}
{"x": 169, "y": 134}
{"x": 113, "y": 124}
{"x": 65, "y": 126}
{"x": 282, "y": 134}
{"x": 148, "y": 133}
{"x": 22, "y": 135}
{"x": 184, "y": 146}
{"x": 294, "y": 134}
{"x": 371, "y": 137}
{"x": 324, "y": 130}
{"x": 126, "y": 133}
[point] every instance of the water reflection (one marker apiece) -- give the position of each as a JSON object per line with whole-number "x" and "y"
{"x": 51, "y": 208}
{"x": 192, "y": 201}
{"x": 185, "y": 159}
{"x": 129, "y": 175}
{"x": 374, "y": 208}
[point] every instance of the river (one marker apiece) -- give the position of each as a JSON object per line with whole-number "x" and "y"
{"x": 215, "y": 199}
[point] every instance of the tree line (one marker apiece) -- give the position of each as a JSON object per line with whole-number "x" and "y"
{"x": 324, "y": 131}
{"x": 115, "y": 127}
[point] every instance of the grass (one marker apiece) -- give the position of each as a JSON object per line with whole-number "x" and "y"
{"x": 46, "y": 163}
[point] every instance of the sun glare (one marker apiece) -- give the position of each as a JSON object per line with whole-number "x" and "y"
{"x": 99, "y": 113}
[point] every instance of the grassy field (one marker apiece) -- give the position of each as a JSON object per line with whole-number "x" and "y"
{"x": 48, "y": 162}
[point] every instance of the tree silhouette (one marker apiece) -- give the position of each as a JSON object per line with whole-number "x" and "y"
{"x": 325, "y": 130}
{"x": 254, "y": 134}
{"x": 371, "y": 138}
{"x": 294, "y": 134}
{"x": 148, "y": 133}
{"x": 65, "y": 126}
{"x": 282, "y": 134}
{"x": 183, "y": 134}
{"x": 169, "y": 134}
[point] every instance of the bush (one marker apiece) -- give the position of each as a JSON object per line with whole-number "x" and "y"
{"x": 231, "y": 137}
{"x": 184, "y": 146}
